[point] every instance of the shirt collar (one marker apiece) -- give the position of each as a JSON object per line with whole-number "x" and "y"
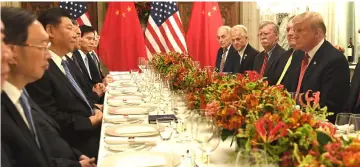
{"x": 270, "y": 51}
{"x": 70, "y": 54}
{"x": 83, "y": 55}
{"x": 242, "y": 51}
{"x": 56, "y": 58}
{"x": 313, "y": 51}
{"x": 12, "y": 91}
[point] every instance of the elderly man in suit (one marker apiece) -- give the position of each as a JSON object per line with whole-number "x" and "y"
{"x": 29, "y": 64}
{"x": 245, "y": 51}
{"x": 323, "y": 67}
{"x": 227, "y": 58}
{"x": 353, "y": 103}
{"x": 58, "y": 93}
{"x": 266, "y": 61}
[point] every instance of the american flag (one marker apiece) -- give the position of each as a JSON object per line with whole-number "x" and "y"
{"x": 164, "y": 31}
{"x": 78, "y": 11}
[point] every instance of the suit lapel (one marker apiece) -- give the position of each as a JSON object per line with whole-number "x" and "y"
{"x": 35, "y": 108}
{"x": 82, "y": 65}
{"x": 313, "y": 63}
{"x": 14, "y": 113}
{"x": 56, "y": 71}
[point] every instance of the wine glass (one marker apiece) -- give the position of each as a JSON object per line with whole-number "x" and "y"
{"x": 253, "y": 158}
{"x": 354, "y": 125}
{"x": 342, "y": 122}
{"x": 207, "y": 135}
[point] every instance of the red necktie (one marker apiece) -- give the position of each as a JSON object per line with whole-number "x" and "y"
{"x": 304, "y": 65}
{"x": 263, "y": 67}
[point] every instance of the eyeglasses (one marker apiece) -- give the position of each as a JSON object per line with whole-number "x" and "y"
{"x": 46, "y": 47}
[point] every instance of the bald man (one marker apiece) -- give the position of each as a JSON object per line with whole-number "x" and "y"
{"x": 323, "y": 67}
{"x": 245, "y": 51}
{"x": 227, "y": 58}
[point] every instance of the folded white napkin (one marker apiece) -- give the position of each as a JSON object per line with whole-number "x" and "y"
{"x": 126, "y": 140}
{"x": 115, "y": 102}
{"x": 128, "y": 111}
{"x": 135, "y": 130}
{"x": 126, "y": 97}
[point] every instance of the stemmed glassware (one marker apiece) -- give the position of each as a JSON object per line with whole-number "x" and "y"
{"x": 208, "y": 135}
{"x": 342, "y": 122}
{"x": 251, "y": 158}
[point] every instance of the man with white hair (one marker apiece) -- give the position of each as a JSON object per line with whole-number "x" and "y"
{"x": 227, "y": 58}
{"x": 245, "y": 51}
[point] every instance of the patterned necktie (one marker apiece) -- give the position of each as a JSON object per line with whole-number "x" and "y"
{"x": 304, "y": 65}
{"x": 93, "y": 56}
{"x": 86, "y": 61}
{"x": 223, "y": 59}
{"x": 263, "y": 67}
{"x": 74, "y": 84}
{"x": 27, "y": 111}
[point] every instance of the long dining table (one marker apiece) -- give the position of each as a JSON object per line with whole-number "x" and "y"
{"x": 114, "y": 150}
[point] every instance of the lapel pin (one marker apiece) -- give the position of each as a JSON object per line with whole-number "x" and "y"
{"x": 314, "y": 63}
{"x": 245, "y": 56}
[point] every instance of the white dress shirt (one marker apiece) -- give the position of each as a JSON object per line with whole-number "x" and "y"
{"x": 241, "y": 53}
{"x": 14, "y": 94}
{"x": 313, "y": 51}
{"x": 86, "y": 61}
{"x": 57, "y": 59}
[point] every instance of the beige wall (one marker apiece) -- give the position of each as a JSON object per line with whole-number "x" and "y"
{"x": 11, "y": 4}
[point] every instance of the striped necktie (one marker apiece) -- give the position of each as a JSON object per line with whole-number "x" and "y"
{"x": 304, "y": 65}
{"x": 263, "y": 67}
{"x": 74, "y": 84}
{"x": 223, "y": 60}
{"x": 27, "y": 111}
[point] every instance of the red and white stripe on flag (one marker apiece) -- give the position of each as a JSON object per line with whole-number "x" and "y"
{"x": 164, "y": 32}
{"x": 84, "y": 19}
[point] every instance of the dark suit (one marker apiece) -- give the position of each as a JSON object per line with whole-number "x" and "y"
{"x": 328, "y": 72}
{"x": 232, "y": 60}
{"x": 353, "y": 105}
{"x": 58, "y": 98}
{"x": 271, "y": 64}
{"x": 247, "y": 62}
{"x": 61, "y": 151}
{"x": 17, "y": 141}
{"x": 81, "y": 80}
{"x": 96, "y": 73}
{"x": 291, "y": 76}
{"x": 77, "y": 57}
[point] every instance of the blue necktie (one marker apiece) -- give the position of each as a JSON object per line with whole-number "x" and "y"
{"x": 27, "y": 111}
{"x": 74, "y": 84}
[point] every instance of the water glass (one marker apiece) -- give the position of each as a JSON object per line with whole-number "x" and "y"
{"x": 342, "y": 122}
{"x": 251, "y": 158}
{"x": 165, "y": 128}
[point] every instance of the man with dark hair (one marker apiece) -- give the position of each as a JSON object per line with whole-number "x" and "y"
{"x": 266, "y": 60}
{"x": 58, "y": 93}
{"x": 83, "y": 56}
{"x": 21, "y": 139}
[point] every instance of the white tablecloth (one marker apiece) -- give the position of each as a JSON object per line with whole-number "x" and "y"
{"x": 223, "y": 156}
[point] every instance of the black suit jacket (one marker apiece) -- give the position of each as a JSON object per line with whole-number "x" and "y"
{"x": 247, "y": 62}
{"x": 18, "y": 142}
{"x": 232, "y": 60}
{"x": 58, "y": 98}
{"x": 62, "y": 153}
{"x": 77, "y": 57}
{"x": 291, "y": 76}
{"x": 96, "y": 73}
{"x": 271, "y": 64}
{"x": 353, "y": 105}
{"x": 81, "y": 80}
{"x": 328, "y": 72}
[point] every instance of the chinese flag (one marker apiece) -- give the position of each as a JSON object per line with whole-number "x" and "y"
{"x": 201, "y": 37}
{"x": 122, "y": 39}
